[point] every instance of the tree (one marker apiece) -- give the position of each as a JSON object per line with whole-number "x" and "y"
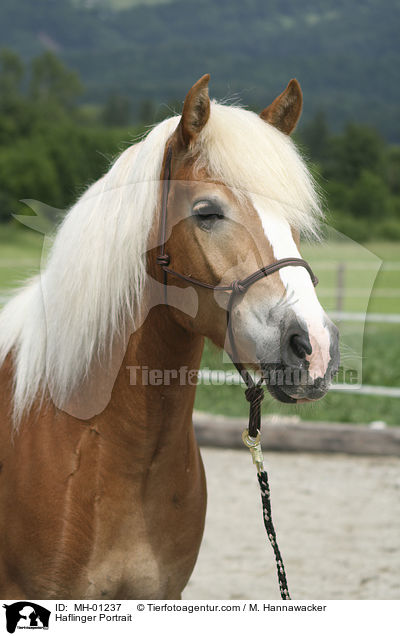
{"x": 11, "y": 74}
{"x": 117, "y": 110}
{"x": 360, "y": 148}
{"x": 52, "y": 84}
{"x": 315, "y": 135}
{"x": 369, "y": 199}
{"x": 26, "y": 171}
{"x": 13, "y": 108}
{"x": 147, "y": 112}
{"x": 392, "y": 170}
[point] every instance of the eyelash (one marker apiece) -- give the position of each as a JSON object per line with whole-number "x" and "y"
{"x": 207, "y": 210}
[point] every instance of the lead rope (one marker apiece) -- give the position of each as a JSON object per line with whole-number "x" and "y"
{"x": 251, "y": 439}
{"x": 254, "y": 445}
{"x": 255, "y": 395}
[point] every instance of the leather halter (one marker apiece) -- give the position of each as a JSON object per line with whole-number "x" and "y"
{"x": 254, "y": 392}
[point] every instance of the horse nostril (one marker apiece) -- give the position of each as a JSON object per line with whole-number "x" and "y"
{"x": 300, "y": 345}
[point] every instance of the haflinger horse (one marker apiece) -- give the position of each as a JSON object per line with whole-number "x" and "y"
{"x": 102, "y": 487}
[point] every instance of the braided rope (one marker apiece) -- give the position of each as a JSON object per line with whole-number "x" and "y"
{"x": 255, "y": 395}
{"x": 269, "y": 527}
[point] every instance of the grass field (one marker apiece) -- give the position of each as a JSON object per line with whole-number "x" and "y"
{"x": 371, "y": 275}
{"x": 378, "y": 351}
{"x": 381, "y": 367}
{"x": 20, "y": 254}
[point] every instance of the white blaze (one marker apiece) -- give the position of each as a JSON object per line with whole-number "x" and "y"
{"x": 300, "y": 291}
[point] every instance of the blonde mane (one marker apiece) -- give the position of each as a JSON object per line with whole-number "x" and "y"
{"x": 92, "y": 285}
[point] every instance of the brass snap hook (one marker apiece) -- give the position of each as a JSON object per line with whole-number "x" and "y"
{"x": 254, "y": 446}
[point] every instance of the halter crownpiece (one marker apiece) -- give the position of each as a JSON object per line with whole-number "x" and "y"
{"x": 254, "y": 392}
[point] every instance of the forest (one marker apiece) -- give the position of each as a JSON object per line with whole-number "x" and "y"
{"x": 346, "y": 55}
{"x": 52, "y": 145}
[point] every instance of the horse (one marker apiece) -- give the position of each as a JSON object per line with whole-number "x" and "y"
{"x": 102, "y": 487}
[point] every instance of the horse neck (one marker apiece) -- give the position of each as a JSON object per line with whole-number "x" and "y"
{"x": 154, "y": 393}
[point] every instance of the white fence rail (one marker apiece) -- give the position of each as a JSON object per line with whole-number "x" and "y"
{"x": 354, "y": 316}
{"x": 233, "y": 378}
{"x": 387, "y": 266}
{"x": 348, "y": 316}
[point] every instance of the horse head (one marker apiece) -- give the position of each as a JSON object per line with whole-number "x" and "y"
{"x": 239, "y": 196}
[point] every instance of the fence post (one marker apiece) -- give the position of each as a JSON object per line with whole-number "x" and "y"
{"x": 340, "y": 286}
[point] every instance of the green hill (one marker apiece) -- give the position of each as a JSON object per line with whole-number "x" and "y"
{"x": 345, "y": 54}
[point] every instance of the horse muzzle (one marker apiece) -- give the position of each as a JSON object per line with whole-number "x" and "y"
{"x": 304, "y": 372}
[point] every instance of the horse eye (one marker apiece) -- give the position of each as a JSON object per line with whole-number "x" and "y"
{"x": 207, "y": 210}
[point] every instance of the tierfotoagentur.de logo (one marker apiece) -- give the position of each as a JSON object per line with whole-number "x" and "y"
{"x": 26, "y": 615}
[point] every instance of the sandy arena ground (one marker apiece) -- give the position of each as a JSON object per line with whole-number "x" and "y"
{"x": 337, "y": 519}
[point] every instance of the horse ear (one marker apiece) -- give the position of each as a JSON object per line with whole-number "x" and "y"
{"x": 196, "y": 111}
{"x": 285, "y": 110}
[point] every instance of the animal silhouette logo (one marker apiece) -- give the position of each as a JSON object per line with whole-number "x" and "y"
{"x": 26, "y": 615}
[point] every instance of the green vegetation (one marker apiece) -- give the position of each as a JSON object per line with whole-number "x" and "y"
{"x": 20, "y": 254}
{"x": 359, "y": 175}
{"x": 50, "y": 149}
{"x": 358, "y": 275}
{"x": 345, "y": 54}
{"x": 335, "y": 407}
